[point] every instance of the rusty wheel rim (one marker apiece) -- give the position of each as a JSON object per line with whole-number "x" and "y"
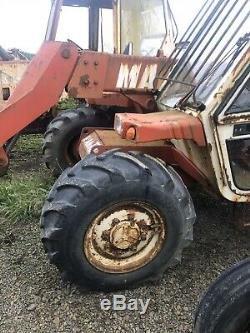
{"x": 125, "y": 237}
{"x": 71, "y": 151}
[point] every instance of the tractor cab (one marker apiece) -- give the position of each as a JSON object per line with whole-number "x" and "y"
{"x": 211, "y": 81}
{"x": 128, "y": 27}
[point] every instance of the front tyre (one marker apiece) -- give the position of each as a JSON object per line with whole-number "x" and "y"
{"x": 116, "y": 220}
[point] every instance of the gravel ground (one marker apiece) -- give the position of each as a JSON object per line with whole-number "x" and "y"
{"x": 33, "y": 297}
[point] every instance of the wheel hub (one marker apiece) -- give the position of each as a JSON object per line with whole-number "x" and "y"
{"x": 124, "y": 237}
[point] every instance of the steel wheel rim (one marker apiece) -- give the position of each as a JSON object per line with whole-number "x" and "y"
{"x": 125, "y": 237}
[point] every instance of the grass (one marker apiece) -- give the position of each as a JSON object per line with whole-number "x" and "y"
{"x": 67, "y": 103}
{"x": 23, "y": 190}
{"x": 21, "y": 198}
{"x": 29, "y": 144}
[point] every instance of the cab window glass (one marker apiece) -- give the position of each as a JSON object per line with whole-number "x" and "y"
{"x": 74, "y": 25}
{"x": 143, "y": 24}
{"x": 239, "y": 156}
{"x": 242, "y": 102}
{"x": 106, "y": 32}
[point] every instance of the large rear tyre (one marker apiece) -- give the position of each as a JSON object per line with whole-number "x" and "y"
{"x": 225, "y": 308}
{"x": 116, "y": 220}
{"x": 60, "y": 149}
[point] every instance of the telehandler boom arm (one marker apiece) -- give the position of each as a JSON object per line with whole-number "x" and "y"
{"x": 99, "y": 78}
{"x": 40, "y": 88}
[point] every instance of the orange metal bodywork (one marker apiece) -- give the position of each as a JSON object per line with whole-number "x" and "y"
{"x": 96, "y": 76}
{"x": 99, "y": 141}
{"x": 88, "y": 75}
{"x": 40, "y": 88}
{"x": 165, "y": 125}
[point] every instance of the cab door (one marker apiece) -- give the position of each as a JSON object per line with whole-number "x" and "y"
{"x": 233, "y": 133}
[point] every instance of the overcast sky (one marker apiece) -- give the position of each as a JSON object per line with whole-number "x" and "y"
{"x": 23, "y": 22}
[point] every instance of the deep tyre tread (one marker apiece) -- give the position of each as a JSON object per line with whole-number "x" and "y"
{"x": 225, "y": 308}
{"x": 98, "y": 182}
{"x": 64, "y": 129}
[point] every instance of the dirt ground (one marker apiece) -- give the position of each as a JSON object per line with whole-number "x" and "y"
{"x": 33, "y": 297}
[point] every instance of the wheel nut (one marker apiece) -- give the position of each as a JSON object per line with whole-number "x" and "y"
{"x": 105, "y": 235}
{"x": 130, "y": 217}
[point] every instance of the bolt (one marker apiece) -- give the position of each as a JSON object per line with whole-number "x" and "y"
{"x": 84, "y": 80}
{"x": 95, "y": 83}
{"x": 143, "y": 237}
{"x": 96, "y": 63}
{"x": 66, "y": 53}
{"x": 95, "y": 150}
{"x": 85, "y": 62}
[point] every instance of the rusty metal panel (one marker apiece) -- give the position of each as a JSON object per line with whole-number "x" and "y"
{"x": 40, "y": 88}
{"x": 110, "y": 139}
{"x": 88, "y": 79}
{"x": 97, "y": 73}
{"x": 98, "y": 141}
{"x": 161, "y": 125}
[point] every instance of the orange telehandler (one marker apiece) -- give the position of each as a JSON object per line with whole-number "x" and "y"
{"x": 102, "y": 81}
{"x": 123, "y": 214}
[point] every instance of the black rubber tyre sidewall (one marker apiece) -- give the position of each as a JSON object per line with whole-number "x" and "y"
{"x": 63, "y": 143}
{"x": 225, "y": 308}
{"x": 69, "y": 132}
{"x": 98, "y": 279}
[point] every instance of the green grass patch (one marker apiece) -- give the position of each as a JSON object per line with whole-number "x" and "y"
{"x": 29, "y": 143}
{"x": 22, "y": 198}
{"x": 67, "y": 103}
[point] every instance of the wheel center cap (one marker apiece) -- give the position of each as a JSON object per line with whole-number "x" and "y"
{"x": 124, "y": 235}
